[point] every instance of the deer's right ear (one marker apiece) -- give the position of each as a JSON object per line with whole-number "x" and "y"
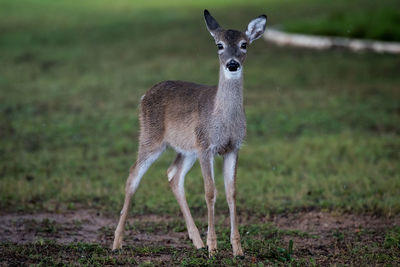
{"x": 212, "y": 24}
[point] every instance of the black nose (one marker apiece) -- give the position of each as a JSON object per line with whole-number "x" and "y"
{"x": 232, "y": 65}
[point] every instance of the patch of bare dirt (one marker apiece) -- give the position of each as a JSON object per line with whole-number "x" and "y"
{"x": 317, "y": 222}
{"x": 329, "y": 235}
{"x": 85, "y": 226}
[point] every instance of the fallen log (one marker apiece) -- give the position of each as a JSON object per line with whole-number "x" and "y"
{"x": 325, "y": 42}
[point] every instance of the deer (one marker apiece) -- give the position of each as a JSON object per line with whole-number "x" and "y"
{"x": 199, "y": 122}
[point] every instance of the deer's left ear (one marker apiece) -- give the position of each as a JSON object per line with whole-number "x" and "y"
{"x": 256, "y": 28}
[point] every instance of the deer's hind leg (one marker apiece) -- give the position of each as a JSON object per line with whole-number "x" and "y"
{"x": 176, "y": 177}
{"x": 146, "y": 157}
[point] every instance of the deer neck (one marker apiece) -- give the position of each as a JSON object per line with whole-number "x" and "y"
{"x": 229, "y": 97}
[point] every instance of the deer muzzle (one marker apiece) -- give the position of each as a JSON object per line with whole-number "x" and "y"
{"x": 232, "y": 65}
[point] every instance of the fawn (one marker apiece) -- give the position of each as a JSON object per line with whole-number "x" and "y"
{"x": 199, "y": 122}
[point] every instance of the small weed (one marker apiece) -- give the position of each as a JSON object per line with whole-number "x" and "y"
{"x": 392, "y": 238}
{"x": 338, "y": 235}
{"x": 45, "y": 226}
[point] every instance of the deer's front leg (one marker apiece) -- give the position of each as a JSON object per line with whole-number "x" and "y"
{"x": 207, "y": 169}
{"x": 230, "y": 163}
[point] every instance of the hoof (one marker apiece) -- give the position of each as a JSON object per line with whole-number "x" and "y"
{"x": 212, "y": 253}
{"x": 240, "y": 257}
{"x": 116, "y": 250}
{"x": 203, "y": 250}
{"x": 117, "y": 246}
{"x": 198, "y": 245}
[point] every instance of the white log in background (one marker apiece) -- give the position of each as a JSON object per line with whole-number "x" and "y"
{"x": 324, "y": 42}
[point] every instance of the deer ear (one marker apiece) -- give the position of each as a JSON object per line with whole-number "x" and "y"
{"x": 212, "y": 24}
{"x": 256, "y": 28}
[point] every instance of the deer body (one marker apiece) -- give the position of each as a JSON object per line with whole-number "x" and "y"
{"x": 199, "y": 117}
{"x": 199, "y": 122}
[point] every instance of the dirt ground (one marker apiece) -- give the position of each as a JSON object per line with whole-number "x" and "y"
{"x": 86, "y": 226}
{"x": 89, "y": 226}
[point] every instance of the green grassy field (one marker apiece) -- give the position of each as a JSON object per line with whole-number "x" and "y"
{"x": 323, "y": 126}
{"x": 378, "y": 20}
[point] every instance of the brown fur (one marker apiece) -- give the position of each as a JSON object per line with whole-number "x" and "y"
{"x": 180, "y": 114}
{"x": 187, "y": 105}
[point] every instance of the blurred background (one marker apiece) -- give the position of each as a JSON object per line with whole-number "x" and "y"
{"x": 323, "y": 126}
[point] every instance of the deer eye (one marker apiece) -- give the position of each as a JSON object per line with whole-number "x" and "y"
{"x": 243, "y": 45}
{"x": 220, "y": 46}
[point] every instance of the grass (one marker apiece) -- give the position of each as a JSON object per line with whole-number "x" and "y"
{"x": 322, "y": 126}
{"x": 366, "y": 20}
{"x": 83, "y": 254}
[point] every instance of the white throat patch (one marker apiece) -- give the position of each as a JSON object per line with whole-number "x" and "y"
{"x": 233, "y": 74}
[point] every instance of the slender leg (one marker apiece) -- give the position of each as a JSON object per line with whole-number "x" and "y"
{"x": 135, "y": 176}
{"x": 207, "y": 168}
{"x": 176, "y": 177}
{"x": 230, "y": 163}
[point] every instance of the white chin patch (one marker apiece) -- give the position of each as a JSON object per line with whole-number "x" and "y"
{"x": 233, "y": 74}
